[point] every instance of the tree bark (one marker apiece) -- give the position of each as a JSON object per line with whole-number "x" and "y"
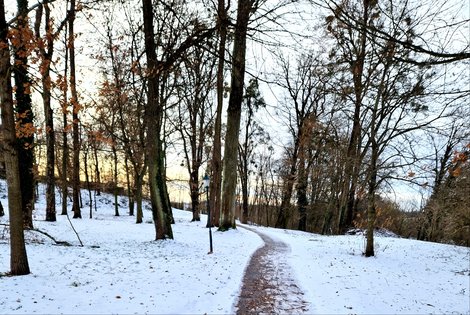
{"x": 46, "y": 60}
{"x": 115, "y": 180}
{"x": 302, "y": 201}
{"x": 216, "y": 162}
{"x": 65, "y": 146}
{"x": 244, "y": 152}
{"x": 138, "y": 197}
{"x": 97, "y": 167}
{"x": 245, "y": 200}
{"x": 288, "y": 185}
{"x": 87, "y": 180}
{"x": 130, "y": 189}
{"x": 194, "y": 192}
{"x": 153, "y": 124}
{"x": 227, "y": 216}
{"x": 75, "y": 120}
{"x": 371, "y": 213}
{"x": 281, "y": 221}
{"x": 25, "y": 116}
{"x": 65, "y": 149}
{"x": 374, "y": 159}
{"x": 18, "y": 258}
{"x": 167, "y": 210}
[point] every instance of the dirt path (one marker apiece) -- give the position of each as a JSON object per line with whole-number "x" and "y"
{"x": 268, "y": 284}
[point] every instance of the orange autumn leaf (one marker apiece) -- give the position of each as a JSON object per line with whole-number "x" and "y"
{"x": 456, "y": 172}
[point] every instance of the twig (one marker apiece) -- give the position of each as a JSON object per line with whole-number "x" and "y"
{"x": 75, "y": 231}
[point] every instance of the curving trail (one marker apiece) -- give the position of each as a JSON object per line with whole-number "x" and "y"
{"x": 268, "y": 284}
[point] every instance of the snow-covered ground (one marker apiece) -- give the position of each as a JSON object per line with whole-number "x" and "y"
{"x": 120, "y": 269}
{"x": 405, "y": 276}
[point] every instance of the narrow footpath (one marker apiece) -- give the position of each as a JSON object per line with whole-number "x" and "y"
{"x": 269, "y": 284}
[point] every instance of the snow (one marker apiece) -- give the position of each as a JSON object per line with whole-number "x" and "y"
{"x": 405, "y": 277}
{"x": 121, "y": 270}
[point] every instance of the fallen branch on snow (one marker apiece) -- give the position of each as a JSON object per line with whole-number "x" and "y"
{"x": 62, "y": 243}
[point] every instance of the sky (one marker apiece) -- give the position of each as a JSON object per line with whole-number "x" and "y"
{"x": 122, "y": 270}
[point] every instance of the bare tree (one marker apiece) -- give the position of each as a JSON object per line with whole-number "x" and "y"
{"x": 446, "y": 142}
{"x": 303, "y": 107}
{"x": 74, "y": 102}
{"x": 18, "y": 257}
{"x": 194, "y": 115}
{"x": 428, "y": 49}
{"x": 227, "y": 216}
{"x": 131, "y": 131}
{"x": 185, "y": 31}
{"x": 25, "y": 128}
{"x": 65, "y": 147}
{"x": 48, "y": 113}
{"x": 45, "y": 47}
{"x": 216, "y": 162}
{"x": 388, "y": 96}
{"x": 252, "y": 134}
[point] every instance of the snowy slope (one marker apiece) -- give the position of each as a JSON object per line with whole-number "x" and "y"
{"x": 129, "y": 272}
{"x": 122, "y": 270}
{"x": 405, "y": 276}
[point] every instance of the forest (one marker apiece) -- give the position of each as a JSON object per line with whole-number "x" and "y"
{"x": 319, "y": 116}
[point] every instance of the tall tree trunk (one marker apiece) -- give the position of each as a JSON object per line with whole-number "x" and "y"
{"x": 288, "y": 187}
{"x": 65, "y": 162}
{"x": 138, "y": 196}
{"x": 371, "y": 213}
{"x": 50, "y": 164}
{"x": 425, "y": 231}
{"x": 216, "y": 162}
{"x": 18, "y": 258}
{"x": 50, "y": 145}
{"x": 245, "y": 210}
{"x": 115, "y": 179}
{"x": 167, "y": 210}
{"x": 244, "y": 156}
{"x": 130, "y": 189}
{"x": 302, "y": 201}
{"x": 227, "y": 215}
{"x": 65, "y": 145}
{"x": 373, "y": 167}
{"x": 87, "y": 180}
{"x": 155, "y": 192}
{"x": 153, "y": 118}
{"x": 46, "y": 60}
{"x": 161, "y": 180}
{"x": 24, "y": 116}
{"x": 97, "y": 167}
{"x": 194, "y": 191}
{"x": 65, "y": 148}
{"x": 75, "y": 121}
{"x": 346, "y": 211}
